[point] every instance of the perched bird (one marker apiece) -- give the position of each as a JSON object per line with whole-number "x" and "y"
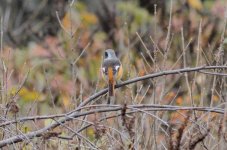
{"x": 111, "y": 70}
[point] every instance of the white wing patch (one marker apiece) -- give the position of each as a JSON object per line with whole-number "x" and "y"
{"x": 104, "y": 69}
{"x": 117, "y": 67}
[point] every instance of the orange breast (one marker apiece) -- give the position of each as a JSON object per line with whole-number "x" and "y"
{"x": 111, "y": 81}
{"x": 110, "y": 74}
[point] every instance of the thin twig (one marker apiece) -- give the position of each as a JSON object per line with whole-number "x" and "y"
{"x": 75, "y": 113}
{"x": 149, "y": 76}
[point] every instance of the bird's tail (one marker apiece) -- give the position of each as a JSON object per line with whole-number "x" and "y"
{"x": 111, "y": 88}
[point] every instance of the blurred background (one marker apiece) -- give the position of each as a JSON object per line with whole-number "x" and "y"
{"x": 52, "y": 49}
{"x": 51, "y": 52}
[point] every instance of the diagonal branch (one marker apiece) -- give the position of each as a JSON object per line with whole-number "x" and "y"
{"x": 154, "y": 75}
{"x": 76, "y": 113}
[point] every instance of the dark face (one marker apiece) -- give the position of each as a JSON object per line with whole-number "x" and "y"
{"x": 106, "y": 54}
{"x": 109, "y": 53}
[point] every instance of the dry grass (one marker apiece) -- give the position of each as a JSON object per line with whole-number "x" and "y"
{"x": 172, "y": 96}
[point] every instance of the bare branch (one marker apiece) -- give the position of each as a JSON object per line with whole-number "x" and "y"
{"x": 76, "y": 113}
{"x": 154, "y": 75}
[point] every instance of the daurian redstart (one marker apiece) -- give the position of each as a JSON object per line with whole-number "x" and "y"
{"x": 111, "y": 69}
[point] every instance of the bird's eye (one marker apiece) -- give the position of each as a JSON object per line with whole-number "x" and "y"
{"x": 106, "y": 54}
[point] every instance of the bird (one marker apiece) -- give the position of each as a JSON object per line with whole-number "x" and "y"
{"x": 111, "y": 70}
